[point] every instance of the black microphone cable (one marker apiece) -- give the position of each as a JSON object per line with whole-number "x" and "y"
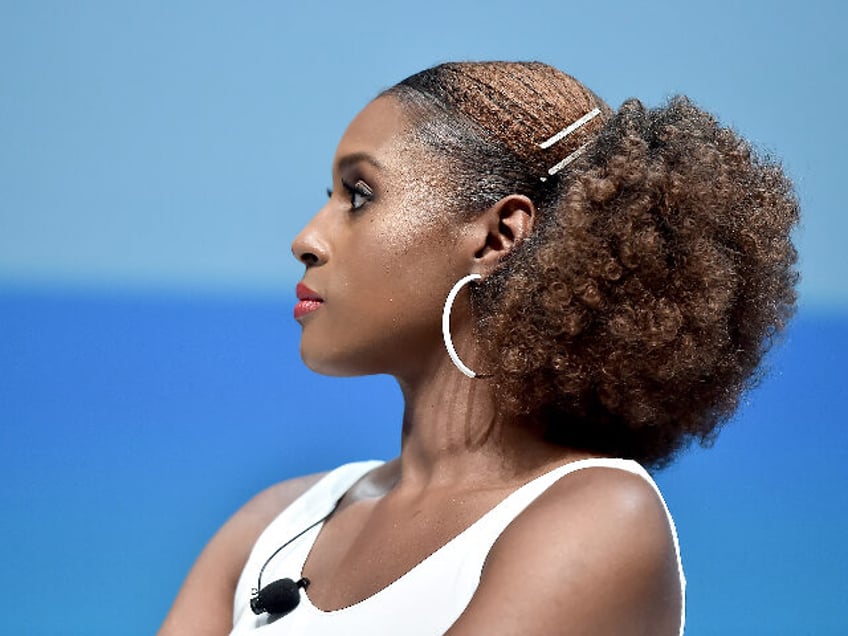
{"x": 281, "y": 596}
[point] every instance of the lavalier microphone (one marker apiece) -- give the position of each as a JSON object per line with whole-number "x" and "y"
{"x": 278, "y": 597}
{"x": 281, "y": 596}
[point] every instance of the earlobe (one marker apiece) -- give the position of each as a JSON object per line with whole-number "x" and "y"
{"x": 506, "y": 224}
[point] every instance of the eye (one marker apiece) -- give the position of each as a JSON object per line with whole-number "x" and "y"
{"x": 360, "y": 193}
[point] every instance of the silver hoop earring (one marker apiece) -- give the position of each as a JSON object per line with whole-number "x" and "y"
{"x": 446, "y": 313}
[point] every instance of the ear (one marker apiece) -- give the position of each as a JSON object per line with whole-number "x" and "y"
{"x": 499, "y": 229}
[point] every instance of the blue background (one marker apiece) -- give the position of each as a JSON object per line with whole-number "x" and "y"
{"x": 155, "y": 162}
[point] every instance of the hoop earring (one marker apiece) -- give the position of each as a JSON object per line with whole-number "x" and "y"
{"x": 446, "y": 334}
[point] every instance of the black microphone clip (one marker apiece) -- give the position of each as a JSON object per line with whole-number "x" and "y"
{"x": 278, "y": 597}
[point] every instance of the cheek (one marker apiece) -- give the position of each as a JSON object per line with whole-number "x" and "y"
{"x": 395, "y": 284}
{"x": 412, "y": 264}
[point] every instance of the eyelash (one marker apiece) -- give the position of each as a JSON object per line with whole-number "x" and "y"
{"x": 360, "y": 190}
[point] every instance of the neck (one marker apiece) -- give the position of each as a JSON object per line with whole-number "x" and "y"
{"x": 453, "y": 435}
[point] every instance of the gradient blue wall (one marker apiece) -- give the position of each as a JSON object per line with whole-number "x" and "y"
{"x": 155, "y": 162}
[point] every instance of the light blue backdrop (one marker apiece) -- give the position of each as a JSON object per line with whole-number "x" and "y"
{"x": 155, "y": 161}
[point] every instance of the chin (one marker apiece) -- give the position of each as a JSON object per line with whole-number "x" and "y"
{"x": 328, "y": 369}
{"x": 331, "y": 365}
{"x": 360, "y": 355}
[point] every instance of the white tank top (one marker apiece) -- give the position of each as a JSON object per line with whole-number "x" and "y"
{"x": 443, "y": 583}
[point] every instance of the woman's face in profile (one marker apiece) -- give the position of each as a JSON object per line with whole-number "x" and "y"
{"x": 379, "y": 255}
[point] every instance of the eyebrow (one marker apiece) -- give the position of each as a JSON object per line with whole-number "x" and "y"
{"x": 357, "y": 157}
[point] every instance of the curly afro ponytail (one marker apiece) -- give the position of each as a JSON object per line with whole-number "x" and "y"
{"x": 660, "y": 270}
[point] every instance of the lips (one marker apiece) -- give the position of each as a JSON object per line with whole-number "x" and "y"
{"x": 308, "y": 301}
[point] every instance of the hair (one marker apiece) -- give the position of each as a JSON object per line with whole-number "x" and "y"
{"x": 659, "y": 271}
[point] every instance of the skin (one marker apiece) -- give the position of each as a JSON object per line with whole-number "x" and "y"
{"x": 596, "y": 545}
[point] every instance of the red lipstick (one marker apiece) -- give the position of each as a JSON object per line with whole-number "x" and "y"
{"x": 308, "y": 301}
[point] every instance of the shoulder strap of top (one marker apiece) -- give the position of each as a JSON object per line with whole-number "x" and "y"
{"x": 496, "y": 520}
{"x": 522, "y": 497}
{"x": 319, "y": 500}
{"x": 314, "y": 504}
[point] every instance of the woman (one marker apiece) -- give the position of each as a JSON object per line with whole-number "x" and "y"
{"x": 612, "y": 282}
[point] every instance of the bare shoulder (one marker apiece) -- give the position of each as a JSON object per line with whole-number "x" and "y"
{"x": 594, "y": 554}
{"x": 204, "y": 603}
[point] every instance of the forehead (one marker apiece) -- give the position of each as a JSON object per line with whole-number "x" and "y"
{"x": 378, "y": 126}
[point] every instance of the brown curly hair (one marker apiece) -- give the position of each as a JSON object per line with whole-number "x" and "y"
{"x": 660, "y": 269}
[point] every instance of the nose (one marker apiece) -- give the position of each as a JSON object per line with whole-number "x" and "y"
{"x": 308, "y": 246}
